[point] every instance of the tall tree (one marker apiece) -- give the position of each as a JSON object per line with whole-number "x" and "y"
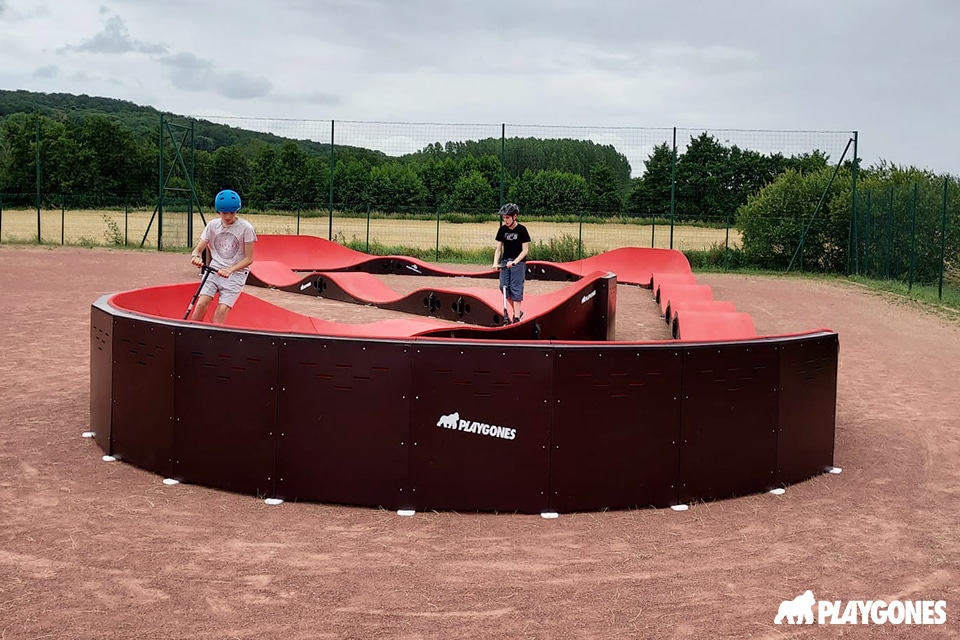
{"x": 649, "y": 195}
{"x": 604, "y": 191}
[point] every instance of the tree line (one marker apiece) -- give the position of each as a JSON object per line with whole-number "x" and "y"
{"x": 101, "y": 159}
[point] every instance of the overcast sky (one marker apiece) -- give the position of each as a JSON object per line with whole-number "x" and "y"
{"x": 886, "y": 68}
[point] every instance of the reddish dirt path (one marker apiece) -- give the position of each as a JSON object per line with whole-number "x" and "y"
{"x": 90, "y": 549}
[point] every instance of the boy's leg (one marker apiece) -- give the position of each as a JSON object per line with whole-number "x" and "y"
{"x": 505, "y": 289}
{"x": 220, "y": 313}
{"x": 230, "y": 289}
{"x": 200, "y": 309}
{"x": 518, "y": 275}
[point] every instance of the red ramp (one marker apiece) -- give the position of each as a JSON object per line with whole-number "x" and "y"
{"x": 677, "y": 292}
{"x": 632, "y": 265}
{"x": 585, "y": 310}
{"x": 713, "y": 326}
{"x": 696, "y": 305}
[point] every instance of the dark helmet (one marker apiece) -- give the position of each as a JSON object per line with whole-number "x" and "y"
{"x": 509, "y": 209}
{"x": 227, "y": 201}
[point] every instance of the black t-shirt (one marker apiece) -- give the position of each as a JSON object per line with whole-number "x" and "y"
{"x": 512, "y": 240}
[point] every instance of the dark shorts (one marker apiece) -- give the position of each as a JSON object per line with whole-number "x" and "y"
{"x": 513, "y": 279}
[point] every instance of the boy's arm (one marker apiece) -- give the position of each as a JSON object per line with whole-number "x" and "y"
{"x": 496, "y": 255}
{"x": 247, "y": 258}
{"x": 523, "y": 254}
{"x": 196, "y": 256}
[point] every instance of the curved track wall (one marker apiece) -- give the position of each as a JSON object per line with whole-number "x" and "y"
{"x": 457, "y": 424}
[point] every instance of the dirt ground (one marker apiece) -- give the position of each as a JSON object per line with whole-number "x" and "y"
{"x": 94, "y": 549}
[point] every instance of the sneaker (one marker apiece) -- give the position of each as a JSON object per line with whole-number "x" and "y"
{"x": 518, "y": 318}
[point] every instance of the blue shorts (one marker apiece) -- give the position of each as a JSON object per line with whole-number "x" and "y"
{"x": 513, "y": 279}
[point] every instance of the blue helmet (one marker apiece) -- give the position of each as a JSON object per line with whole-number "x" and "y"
{"x": 227, "y": 201}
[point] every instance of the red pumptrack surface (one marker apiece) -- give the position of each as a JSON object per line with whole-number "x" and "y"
{"x": 293, "y": 263}
{"x": 277, "y": 255}
{"x": 250, "y": 312}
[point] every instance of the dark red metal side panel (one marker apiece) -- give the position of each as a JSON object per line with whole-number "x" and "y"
{"x": 101, "y": 376}
{"x": 480, "y": 427}
{"x": 343, "y": 416}
{"x": 729, "y": 419}
{"x": 808, "y": 407}
{"x": 226, "y": 410}
{"x": 616, "y": 428}
{"x": 143, "y": 356}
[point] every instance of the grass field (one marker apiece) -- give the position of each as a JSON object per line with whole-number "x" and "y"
{"x": 106, "y": 228}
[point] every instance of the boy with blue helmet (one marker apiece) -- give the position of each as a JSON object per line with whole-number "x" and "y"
{"x": 230, "y": 240}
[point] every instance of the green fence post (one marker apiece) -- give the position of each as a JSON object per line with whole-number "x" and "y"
{"x": 853, "y": 196}
{"x": 868, "y": 234}
{"x": 437, "y": 252}
{"x": 503, "y": 160}
{"x": 298, "y": 218}
{"x": 943, "y": 238}
{"x": 580, "y": 238}
{"x": 126, "y": 220}
{"x": 913, "y": 236}
{"x": 673, "y": 185}
{"x": 726, "y": 242}
{"x": 63, "y": 219}
{"x": 368, "y": 228}
{"x": 39, "y": 195}
{"x": 160, "y": 190}
{"x": 889, "y": 247}
{"x": 333, "y": 161}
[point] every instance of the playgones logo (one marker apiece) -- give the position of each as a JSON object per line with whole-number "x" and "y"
{"x": 797, "y": 611}
{"x": 800, "y": 611}
{"x": 453, "y": 421}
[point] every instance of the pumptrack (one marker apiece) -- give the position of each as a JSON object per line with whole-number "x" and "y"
{"x": 451, "y": 408}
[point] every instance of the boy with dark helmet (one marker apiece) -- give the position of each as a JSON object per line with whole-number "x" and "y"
{"x": 513, "y": 244}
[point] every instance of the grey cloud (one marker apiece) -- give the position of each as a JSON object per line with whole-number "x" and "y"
{"x": 317, "y": 97}
{"x": 46, "y": 71}
{"x": 115, "y": 39}
{"x": 190, "y": 73}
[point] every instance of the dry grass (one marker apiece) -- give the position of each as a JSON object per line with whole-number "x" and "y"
{"x": 952, "y": 272}
{"x": 87, "y": 227}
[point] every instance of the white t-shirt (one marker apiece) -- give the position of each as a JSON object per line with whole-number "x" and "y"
{"x": 227, "y": 241}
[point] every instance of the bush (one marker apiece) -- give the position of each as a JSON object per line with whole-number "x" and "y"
{"x": 773, "y": 222}
{"x": 716, "y": 257}
{"x": 564, "y": 248}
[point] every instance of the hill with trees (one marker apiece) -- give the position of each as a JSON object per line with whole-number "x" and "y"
{"x": 100, "y": 151}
